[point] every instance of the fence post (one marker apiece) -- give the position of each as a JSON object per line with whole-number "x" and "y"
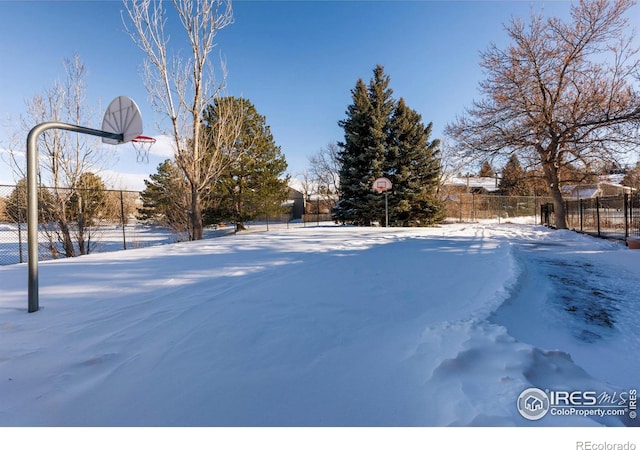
{"x": 598, "y": 214}
{"x": 631, "y": 216}
{"x": 625, "y": 203}
{"x": 473, "y": 207}
{"x": 124, "y": 234}
{"x": 20, "y": 241}
{"x": 581, "y": 212}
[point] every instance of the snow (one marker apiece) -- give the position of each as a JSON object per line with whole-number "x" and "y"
{"x": 323, "y": 326}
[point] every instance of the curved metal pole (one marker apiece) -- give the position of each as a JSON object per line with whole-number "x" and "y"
{"x": 32, "y": 197}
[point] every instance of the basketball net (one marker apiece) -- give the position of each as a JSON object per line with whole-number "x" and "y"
{"x": 142, "y": 144}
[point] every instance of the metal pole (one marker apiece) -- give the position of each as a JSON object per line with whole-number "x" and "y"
{"x": 32, "y": 198}
{"x": 386, "y": 209}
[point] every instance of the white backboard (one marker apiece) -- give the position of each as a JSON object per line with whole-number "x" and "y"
{"x": 381, "y": 184}
{"x": 122, "y": 117}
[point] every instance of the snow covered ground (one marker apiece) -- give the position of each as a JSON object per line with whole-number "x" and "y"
{"x": 325, "y": 326}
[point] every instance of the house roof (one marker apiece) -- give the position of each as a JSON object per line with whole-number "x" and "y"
{"x": 490, "y": 184}
{"x": 591, "y": 190}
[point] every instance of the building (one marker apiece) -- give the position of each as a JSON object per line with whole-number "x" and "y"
{"x": 470, "y": 185}
{"x": 593, "y": 190}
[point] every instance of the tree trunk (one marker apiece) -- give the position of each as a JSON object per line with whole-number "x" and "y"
{"x": 82, "y": 247}
{"x": 238, "y": 210}
{"x": 67, "y": 242}
{"x": 560, "y": 213}
{"x": 196, "y": 215}
{"x": 80, "y": 238}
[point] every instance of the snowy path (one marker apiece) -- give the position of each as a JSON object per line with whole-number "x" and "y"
{"x": 318, "y": 326}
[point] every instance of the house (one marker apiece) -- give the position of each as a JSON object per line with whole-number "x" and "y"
{"x": 470, "y": 185}
{"x": 297, "y": 202}
{"x": 309, "y": 198}
{"x": 456, "y": 190}
{"x": 593, "y": 190}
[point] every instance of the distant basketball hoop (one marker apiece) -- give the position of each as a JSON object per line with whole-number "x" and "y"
{"x": 142, "y": 144}
{"x": 383, "y": 185}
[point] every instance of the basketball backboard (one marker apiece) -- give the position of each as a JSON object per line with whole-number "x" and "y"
{"x": 381, "y": 184}
{"x": 122, "y": 116}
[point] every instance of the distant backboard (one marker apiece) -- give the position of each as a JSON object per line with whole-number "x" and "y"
{"x": 122, "y": 117}
{"x": 381, "y": 184}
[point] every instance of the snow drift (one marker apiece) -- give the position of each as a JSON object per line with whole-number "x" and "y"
{"x": 322, "y": 326}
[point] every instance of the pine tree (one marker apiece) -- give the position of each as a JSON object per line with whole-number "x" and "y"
{"x": 16, "y": 204}
{"x": 165, "y": 199}
{"x": 486, "y": 170}
{"x": 362, "y": 154}
{"x": 85, "y": 207}
{"x": 413, "y": 168}
{"x": 386, "y": 138}
{"x": 514, "y": 179}
{"x": 253, "y": 182}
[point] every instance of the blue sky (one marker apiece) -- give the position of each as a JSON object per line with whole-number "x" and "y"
{"x": 295, "y": 60}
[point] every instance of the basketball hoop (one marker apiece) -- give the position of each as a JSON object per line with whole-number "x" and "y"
{"x": 382, "y": 184}
{"x": 142, "y": 144}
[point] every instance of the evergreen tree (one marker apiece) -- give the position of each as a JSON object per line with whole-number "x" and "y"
{"x": 86, "y": 206}
{"x": 486, "y": 170}
{"x": 165, "y": 199}
{"x": 363, "y": 152}
{"x": 514, "y": 179}
{"x": 253, "y": 182}
{"x": 386, "y": 138}
{"x": 413, "y": 168}
{"x": 16, "y": 206}
{"x": 88, "y": 200}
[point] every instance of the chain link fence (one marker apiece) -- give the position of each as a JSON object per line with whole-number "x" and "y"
{"x": 74, "y": 222}
{"x": 614, "y": 217}
{"x": 83, "y": 221}
{"x": 470, "y": 207}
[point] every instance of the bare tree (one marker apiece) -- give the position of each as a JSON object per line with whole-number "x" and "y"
{"x": 182, "y": 87}
{"x": 561, "y": 93}
{"x": 306, "y": 183}
{"x": 64, "y": 157}
{"x": 325, "y": 170}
